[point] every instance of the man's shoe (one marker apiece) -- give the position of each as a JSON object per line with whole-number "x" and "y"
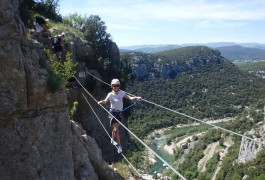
{"x": 113, "y": 142}
{"x": 119, "y": 148}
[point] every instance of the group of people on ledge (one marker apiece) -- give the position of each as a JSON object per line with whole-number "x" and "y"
{"x": 42, "y": 29}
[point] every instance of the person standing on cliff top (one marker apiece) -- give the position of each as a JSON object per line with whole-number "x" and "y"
{"x": 115, "y": 97}
{"x": 41, "y": 25}
{"x": 58, "y": 44}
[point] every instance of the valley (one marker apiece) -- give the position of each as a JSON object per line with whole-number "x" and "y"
{"x": 158, "y": 142}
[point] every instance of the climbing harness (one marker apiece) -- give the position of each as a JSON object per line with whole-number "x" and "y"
{"x": 115, "y": 110}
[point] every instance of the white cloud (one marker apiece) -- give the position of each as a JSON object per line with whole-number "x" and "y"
{"x": 147, "y": 18}
{"x": 169, "y": 10}
{"x": 220, "y": 24}
{"x": 182, "y": 10}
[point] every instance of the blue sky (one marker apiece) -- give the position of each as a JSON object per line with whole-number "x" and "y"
{"x": 145, "y": 22}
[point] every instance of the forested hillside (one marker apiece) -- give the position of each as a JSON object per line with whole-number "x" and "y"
{"x": 209, "y": 89}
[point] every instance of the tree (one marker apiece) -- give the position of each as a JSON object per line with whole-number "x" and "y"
{"x": 48, "y": 8}
{"x": 74, "y": 20}
{"x": 95, "y": 33}
{"x": 221, "y": 142}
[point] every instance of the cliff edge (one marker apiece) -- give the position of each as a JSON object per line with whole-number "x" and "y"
{"x": 38, "y": 140}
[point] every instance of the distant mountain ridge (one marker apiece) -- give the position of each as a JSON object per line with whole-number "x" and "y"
{"x": 230, "y": 50}
{"x": 240, "y": 53}
{"x": 213, "y": 45}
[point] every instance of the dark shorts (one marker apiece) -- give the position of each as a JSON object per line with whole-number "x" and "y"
{"x": 117, "y": 115}
{"x": 58, "y": 48}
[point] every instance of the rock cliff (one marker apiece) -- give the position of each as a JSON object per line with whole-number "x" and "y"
{"x": 249, "y": 149}
{"x": 151, "y": 66}
{"x": 38, "y": 141}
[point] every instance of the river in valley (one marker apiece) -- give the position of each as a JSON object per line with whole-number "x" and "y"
{"x": 157, "y": 145}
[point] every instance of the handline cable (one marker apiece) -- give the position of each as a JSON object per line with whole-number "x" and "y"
{"x": 218, "y": 127}
{"x": 131, "y": 164}
{"x": 182, "y": 177}
{"x": 109, "y": 135}
{"x": 96, "y": 116}
{"x": 97, "y": 78}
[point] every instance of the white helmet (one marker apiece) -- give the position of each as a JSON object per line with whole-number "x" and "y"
{"x": 115, "y": 81}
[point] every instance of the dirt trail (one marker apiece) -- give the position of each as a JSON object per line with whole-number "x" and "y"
{"x": 228, "y": 142}
{"x": 208, "y": 154}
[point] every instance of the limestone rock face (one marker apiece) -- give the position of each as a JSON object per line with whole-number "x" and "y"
{"x": 79, "y": 50}
{"x": 248, "y": 148}
{"x": 38, "y": 141}
{"x": 147, "y": 66}
{"x": 86, "y": 153}
{"x": 114, "y": 54}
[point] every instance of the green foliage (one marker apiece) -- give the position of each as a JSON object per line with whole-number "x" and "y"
{"x": 187, "y": 53}
{"x": 231, "y": 170}
{"x": 65, "y": 69}
{"x": 189, "y": 167}
{"x": 26, "y": 11}
{"x": 178, "y": 152}
{"x": 137, "y": 155}
{"x": 169, "y": 140}
{"x": 248, "y": 118}
{"x": 54, "y": 82}
{"x": 60, "y": 71}
{"x": 94, "y": 30}
{"x": 48, "y": 8}
{"x": 74, "y": 20}
{"x": 210, "y": 90}
{"x": 239, "y": 53}
{"x": 260, "y": 177}
{"x": 251, "y": 66}
{"x": 212, "y": 163}
{"x": 221, "y": 142}
{"x": 73, "y": 109}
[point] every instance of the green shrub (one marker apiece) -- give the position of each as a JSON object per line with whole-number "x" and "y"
{"x": 73, "y": 110}
{"x": 60, "y": 71}
{"x": 54, "y": 82}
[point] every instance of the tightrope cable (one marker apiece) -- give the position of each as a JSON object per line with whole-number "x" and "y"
{"x": 217, "y": 127}
{"x": 96, "y": 116}
{"x": 182, "y": 177}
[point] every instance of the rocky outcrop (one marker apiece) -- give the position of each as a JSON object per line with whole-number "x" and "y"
{"x": 88, "y": 160}
{"x": 79, "y": 50}
{"x": 148, "y": 66}
{"x": 114, "y": 55}
{"x": 38, "y": 141}
{"x": 249, "y": 149}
